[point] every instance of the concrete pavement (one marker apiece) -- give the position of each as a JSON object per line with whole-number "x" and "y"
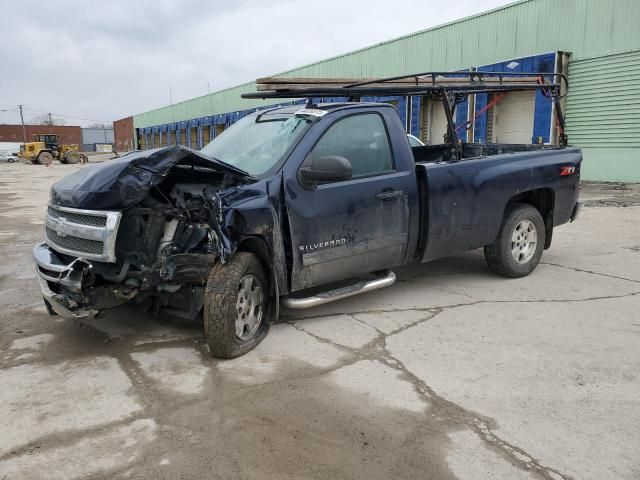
{"x": 450, "y": 373}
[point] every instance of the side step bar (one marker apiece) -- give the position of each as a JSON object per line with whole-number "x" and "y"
{"x": 339, "y": 293}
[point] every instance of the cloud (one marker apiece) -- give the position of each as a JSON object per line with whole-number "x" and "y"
{"x": 107, "y": 60}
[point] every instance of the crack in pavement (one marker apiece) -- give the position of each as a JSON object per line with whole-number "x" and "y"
{"x": 477, "y": 302}
{"x": 305, "y": 317}
{"x": 575, "y": 269}
{"x": 151, "y": 408}
{"x": 58, "y": 439}
{"x": 484, "y": 427}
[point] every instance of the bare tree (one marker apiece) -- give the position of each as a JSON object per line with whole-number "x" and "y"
{"x": 47, "y": 119}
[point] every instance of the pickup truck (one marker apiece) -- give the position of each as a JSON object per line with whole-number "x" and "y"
{"x": 294, "y": 207}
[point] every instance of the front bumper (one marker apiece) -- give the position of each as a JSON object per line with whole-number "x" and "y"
{"x": 51, "y": 269}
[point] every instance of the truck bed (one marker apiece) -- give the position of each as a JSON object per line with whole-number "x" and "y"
{"x": 463, "y": 201}
{"x": 444, "y": 152}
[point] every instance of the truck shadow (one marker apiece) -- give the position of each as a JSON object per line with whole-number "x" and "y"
{"x": 133, "y": 326}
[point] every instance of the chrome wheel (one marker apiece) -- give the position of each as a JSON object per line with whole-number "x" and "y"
{"x": 249, "y": 307}
{"x": 524, "y": 241}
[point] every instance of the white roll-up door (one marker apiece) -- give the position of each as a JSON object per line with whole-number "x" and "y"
{"x": 513, "y": 118}
{"x": 438, "y": 126}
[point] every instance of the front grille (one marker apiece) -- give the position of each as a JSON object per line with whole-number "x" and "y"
{"x": 80, "y": 245}
{"x": 89, "y": 234}
{"x": 83, "y": 219}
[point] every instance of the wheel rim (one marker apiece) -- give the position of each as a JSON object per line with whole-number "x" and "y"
{"x": 524, "y": 241}
{"x": 249, "y": 307}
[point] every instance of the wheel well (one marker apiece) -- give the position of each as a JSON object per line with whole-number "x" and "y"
{"x": 543, "y": 199}
{"x": 260, "y": 249}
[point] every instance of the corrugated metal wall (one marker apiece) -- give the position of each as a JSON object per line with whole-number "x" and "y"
{"x": 603, "y": 105}
{"x": 586, "y": 28}
{"x": 97, "y": 135}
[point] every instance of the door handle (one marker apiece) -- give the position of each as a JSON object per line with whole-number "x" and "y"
{"x": 389, "y": 195}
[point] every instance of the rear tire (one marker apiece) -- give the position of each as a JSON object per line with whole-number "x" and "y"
{"x": 45, "y": 158}
{"x": 236, "y": 306}
{"x": 520, "y": 243}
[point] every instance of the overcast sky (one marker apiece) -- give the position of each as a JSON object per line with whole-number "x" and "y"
{"x": 107, "y": 60}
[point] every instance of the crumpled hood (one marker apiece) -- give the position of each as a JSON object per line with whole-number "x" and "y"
{"x": 117, "y": 184}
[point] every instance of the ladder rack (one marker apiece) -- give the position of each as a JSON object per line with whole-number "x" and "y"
{"x": 451, "y": 88}
{"x": 428, "y": 83}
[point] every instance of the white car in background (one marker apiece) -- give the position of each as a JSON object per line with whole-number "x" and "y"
{"x": 8, "y": 157}
{"x": 414, "y": 141}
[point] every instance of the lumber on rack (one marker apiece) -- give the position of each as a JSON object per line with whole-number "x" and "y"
{"x": 284, "y": 83}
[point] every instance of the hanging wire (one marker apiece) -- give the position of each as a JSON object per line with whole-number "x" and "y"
{"x": 66, "y": 116}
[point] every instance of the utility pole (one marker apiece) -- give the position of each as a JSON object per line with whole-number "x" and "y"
{"x": 24, "y": 130}
{"x": 171, "y": 102}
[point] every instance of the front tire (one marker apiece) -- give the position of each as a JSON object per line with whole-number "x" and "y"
{"x": 236, "y": 306}
{"x": 520, "y": 243}
{"x": 71, "y": 157}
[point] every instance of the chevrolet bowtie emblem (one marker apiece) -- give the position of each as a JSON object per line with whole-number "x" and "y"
{"x": 61, "y": 226}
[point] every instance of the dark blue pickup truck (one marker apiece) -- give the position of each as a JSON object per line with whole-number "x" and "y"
{"x": 293, "y": 207}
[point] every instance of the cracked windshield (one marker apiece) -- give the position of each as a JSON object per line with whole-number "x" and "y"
{"x": 258, "y": 142}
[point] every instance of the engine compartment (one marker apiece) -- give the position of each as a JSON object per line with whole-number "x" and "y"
{"x": 167, "y": 244}
{"x": 165, "y": 247}
{"x": 172, "y": 213}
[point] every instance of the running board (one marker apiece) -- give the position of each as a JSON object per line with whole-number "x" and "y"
{"x": 339, "y": 293}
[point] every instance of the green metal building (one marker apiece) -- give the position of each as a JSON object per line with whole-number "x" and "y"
{"x": 596, "y": 41}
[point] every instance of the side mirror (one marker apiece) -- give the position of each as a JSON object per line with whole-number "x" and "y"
{"x": 331, "y": 168}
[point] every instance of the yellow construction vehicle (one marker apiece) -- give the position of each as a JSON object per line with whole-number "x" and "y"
{"x": 45, "y": 148}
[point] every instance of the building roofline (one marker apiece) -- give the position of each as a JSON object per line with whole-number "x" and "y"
{"x": 346, "y": 54}
{"x": 404, "y": 37}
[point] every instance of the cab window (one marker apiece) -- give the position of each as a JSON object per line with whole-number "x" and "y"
{"x": 362, "y": 139}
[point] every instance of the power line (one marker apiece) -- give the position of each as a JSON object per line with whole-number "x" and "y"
{"x": 73, "y": 117}
{"x": 68, "y": 116}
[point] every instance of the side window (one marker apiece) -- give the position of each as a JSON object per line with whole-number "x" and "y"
{"x": 361, "y": 139}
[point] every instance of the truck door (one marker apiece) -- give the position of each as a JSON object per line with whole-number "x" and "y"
{"x": 348, "y": 228}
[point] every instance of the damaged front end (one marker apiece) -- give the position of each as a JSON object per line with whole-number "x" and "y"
{"x": 145, "y": 228}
